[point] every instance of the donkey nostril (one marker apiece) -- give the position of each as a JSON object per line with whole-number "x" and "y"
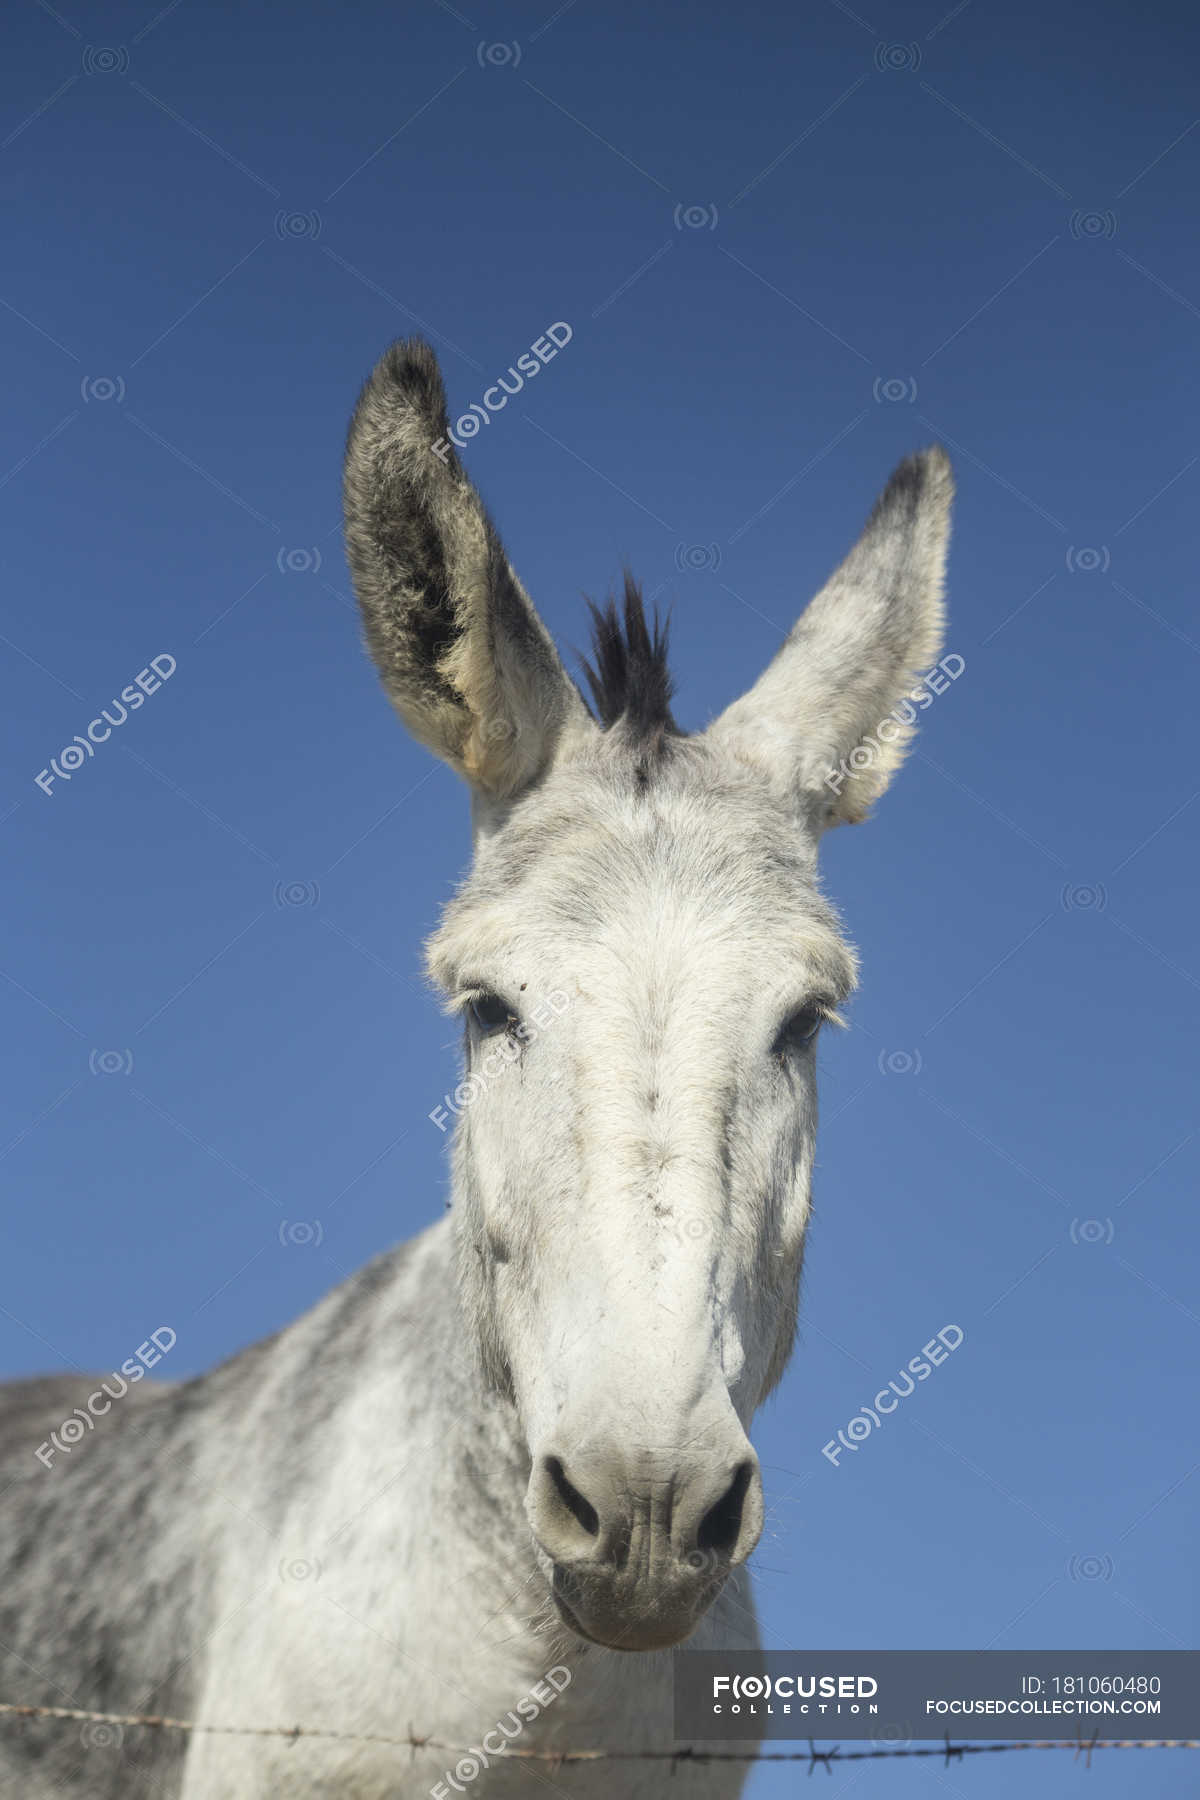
{"x": 580, "y": 1508}
{"x": 721, "y": 1525}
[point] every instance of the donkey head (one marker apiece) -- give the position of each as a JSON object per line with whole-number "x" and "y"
{"x": 643, "y": 960}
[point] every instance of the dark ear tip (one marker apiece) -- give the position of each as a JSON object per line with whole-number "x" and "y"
{"x": 923, "y": 479}
{"x": 408, "y": 374}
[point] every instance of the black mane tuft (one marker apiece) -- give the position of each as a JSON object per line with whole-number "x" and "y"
{"x": 630, "y": 680}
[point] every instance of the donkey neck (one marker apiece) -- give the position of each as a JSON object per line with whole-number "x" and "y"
{"x": 405, "y": 1419}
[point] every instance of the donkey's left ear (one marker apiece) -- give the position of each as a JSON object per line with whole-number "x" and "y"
{"x": 830, "y": 720}
{"x": 465, "y": 659}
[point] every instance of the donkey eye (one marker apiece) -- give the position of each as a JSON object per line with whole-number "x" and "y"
{"x": 489, "y": 1013}
{"x": 800, "y": 1029}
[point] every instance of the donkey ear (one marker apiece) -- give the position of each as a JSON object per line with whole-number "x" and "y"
{"x": 465, "y": 659}
{"x": 832, "y": 716}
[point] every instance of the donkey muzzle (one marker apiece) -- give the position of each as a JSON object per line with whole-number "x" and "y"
{"x": 642, "y": 1540}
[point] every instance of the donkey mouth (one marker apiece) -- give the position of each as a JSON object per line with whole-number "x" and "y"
{"x": 572, "y": 1621}
{"x": 611, "y": 1622}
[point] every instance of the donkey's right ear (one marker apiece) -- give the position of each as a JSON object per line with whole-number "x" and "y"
{"x": 465, "y": 659}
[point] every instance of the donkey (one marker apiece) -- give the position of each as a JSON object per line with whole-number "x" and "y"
{"x": 482, "y": 1489}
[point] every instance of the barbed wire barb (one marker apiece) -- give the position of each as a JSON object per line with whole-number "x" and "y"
{"x": 1085, "y": 1750}
{"x": 816, "y": 1756}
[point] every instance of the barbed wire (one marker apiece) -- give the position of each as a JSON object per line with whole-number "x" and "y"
{"x": 411, "y": 1741}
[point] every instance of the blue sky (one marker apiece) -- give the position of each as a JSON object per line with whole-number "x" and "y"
{"x": 790, "y": 246}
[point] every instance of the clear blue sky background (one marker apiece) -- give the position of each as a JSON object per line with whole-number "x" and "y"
{"x": 788, "y": 255}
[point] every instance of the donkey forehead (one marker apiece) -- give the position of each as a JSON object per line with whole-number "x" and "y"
{"x": 676, "y": 854}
